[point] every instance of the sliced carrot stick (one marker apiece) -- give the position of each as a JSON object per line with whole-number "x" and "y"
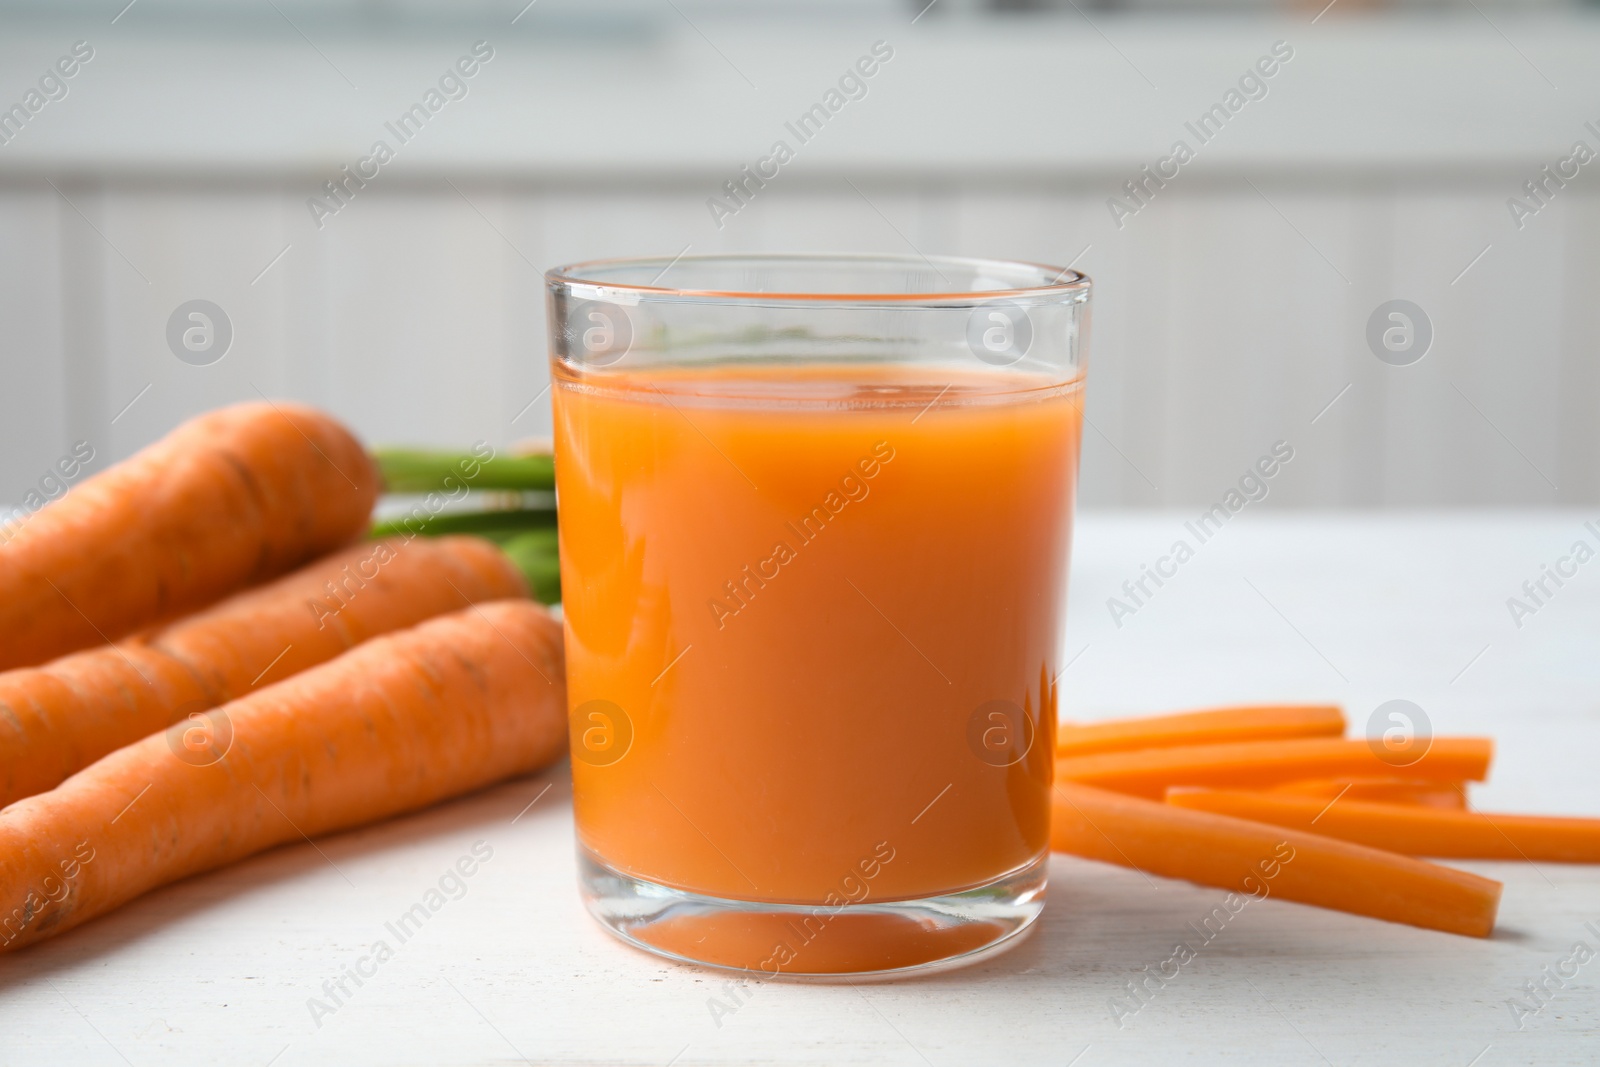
{"x": 1252, "y": 764}
{"x": 59, "y": 718}
{"x": 1217, "y": 726}
{"x": 227, "y": 500}
{"x": 398, "y": 723}
{"x": 1411, "y": 830}
{"x": 1255, "y": 859}
{"x": 1448, "y": 795}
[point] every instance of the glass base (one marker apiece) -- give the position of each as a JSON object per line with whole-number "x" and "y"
{"x": 876, "y": 939}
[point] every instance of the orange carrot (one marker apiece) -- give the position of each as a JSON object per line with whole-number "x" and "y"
{"x": 1217, "y": 726}
{"x": 1254, "y": 859}
{"x": 398, "y": 723}
{"x": 1249, "y": 764}
{"x": 59, "y": 718}
{"x": 227, "y": 500}
{"x": 1450, "y": 795}
{"x": 1411, "y": 830}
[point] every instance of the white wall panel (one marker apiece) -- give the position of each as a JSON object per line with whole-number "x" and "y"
{"x": 415, "y": 337}
{"x": 1465, "y": 423}
{"x": 1219, "y": 325}
{"x": 33, "y": 400}
{"x": 185, "y": 245}
{"x": 1578, "y": 410}
{"x": 1253, "y": 345}
{"x": 1135, "y": 273}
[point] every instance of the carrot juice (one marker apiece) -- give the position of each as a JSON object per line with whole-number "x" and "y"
{"x": 813, "y": 615}
{"x": 799, "y": 609}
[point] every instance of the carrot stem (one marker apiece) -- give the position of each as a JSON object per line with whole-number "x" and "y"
{"x": 416, "y": 470}
{"x": 497, "y": 525}
{"x": 1409, "y": 829}
{"x": 1213, "y": 726}
{"x": 534, "y": 553}
{"x": 1258, "y": 860}
{"x": 1149, "y": 772}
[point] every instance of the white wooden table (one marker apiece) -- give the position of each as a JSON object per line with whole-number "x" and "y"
{"x": 1361, "y": 609}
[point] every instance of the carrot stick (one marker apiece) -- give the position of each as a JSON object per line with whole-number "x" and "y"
{"x": 1247, "y": 764}
{"x": 398, "y": 723}
{"x": 59, "y": 718}
{"x": 1216, "y": 726}
{"x": 1260, "y": 860}
{"x": 1411, "y": 830}
{"x": 227, "y": 500}
{"x": 1449, "y": 795}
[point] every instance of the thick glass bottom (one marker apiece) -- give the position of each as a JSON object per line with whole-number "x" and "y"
{"x": 879, "y": 939}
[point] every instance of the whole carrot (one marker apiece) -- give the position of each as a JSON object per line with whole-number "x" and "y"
{"x": 226, "y": 500}
{"x": 59, "y": 718}
{"x": 398, "y": 723}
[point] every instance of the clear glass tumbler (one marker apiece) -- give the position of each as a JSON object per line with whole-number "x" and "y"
{"x": 815, "y": 514}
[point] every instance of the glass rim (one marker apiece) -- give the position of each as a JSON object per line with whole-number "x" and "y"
{"x": 590, "y": 274}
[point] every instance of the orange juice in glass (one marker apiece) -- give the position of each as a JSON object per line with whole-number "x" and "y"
{"x": 815, "y": 514}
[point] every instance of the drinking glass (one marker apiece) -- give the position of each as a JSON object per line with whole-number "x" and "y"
{"x": 814, "y": 516}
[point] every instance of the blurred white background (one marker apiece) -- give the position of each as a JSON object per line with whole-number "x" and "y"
{"x": 1231, "y": 311}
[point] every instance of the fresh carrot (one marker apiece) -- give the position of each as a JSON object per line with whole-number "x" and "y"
{"x": 59, "y": 718}
{"x": 1449, "y": 795}
{"x": 1254, "y": 859}
{"x": 1412, "y": 830}
{"x": 403, "y": 721}
{"x": 1250, "y": 764}
{"x": 63, "y": 716}
{"x": 227, "y": 500}
{"x": 1217, "y": 726}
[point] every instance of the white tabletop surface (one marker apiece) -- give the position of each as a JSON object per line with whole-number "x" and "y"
{"x": 1360, "y": 609}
